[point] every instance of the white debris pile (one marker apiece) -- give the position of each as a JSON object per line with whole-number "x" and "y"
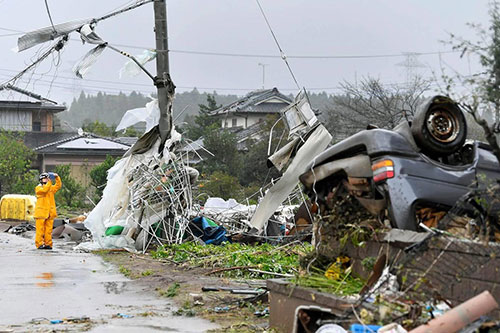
{"x": 234, "y": 216}
{"x": 147, "y": 197}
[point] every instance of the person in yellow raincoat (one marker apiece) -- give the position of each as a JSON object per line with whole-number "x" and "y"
{"x": 45, "y": 210}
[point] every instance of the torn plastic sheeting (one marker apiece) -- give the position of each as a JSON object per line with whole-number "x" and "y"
{"x": 88, "y": 35}
{"x": 82, "y": 67}
{"x": 131, "y": 183}
{"x": 112, "y": 207}
{"x": 150, "y": 114}
{"x": 130, "y": 69}
{"x": 317, "y": 142}
{"x": 219, "y": 205}
{"x": 46, "y": 34}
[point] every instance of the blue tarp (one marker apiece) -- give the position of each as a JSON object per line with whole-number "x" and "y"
{"x": 208, "y": 231}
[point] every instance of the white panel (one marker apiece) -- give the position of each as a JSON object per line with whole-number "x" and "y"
{"x": 92, "y": 143}
{"x": 15, "y": 120}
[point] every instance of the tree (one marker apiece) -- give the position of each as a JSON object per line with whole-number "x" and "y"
{"x": 372, "y": 102}
{"x": 15, "y": 161}
{"x": 223, "y": 145}
{"x": 71, "y": 192}
{"x": 255, "y": 170}
{"x": 222, "y": 185}
{"x": 129, "y": 131}
{"x": 98, "y": 128}
{"x": 481, "y": 96}
{"x": 202, "y": 121}
{"x": 99, "y": 174}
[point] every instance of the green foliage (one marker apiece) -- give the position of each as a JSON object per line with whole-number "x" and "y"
{"x": 99, "y": 128}
{"x": 147, "y": 272}
{"x": 347, "y": 284}
{"x": 130, "y": 132}
{"x": 368, "y": 263}
{"x": 109, "y": 109}
{"x": 124, "y": 270}
{"x": 104, "y": 108}
{"x": 172, "y": 291}
{"x": 99, "y": 174}
{"x": 15, "y": 161}
{"x": 185, "y": 310}
{"x": 222, "y": 144}
{"x": 27, "y": 183}
{"x": 222, "y": 185}
{"x": 202, "y": 121}
{"x": 265, "y": 257}
{"x": 255, "y": 170}
{"x": 71, "y": 193}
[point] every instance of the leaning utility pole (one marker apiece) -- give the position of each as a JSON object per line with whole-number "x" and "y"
{"x": 163, "y": 82}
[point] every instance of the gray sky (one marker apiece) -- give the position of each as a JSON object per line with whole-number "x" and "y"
{"x": 303, "y": 27}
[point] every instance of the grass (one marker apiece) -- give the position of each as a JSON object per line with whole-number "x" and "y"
{"x": 172, "y": 291}
{"x": 124, "y": 270}
{"x": 346, "y": 284}
{"x": 186, "y": 310}
{"x": 266, "y": 257}
{"x": 147, "y": 272}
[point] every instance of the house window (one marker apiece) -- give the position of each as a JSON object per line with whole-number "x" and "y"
{"x": 225, "y": 123}
{"x": 37, "y": 126}
{"x": 234, "y": 122}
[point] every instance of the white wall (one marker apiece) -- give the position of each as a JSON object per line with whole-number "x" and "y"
{"x": 16, "y": 120}
{"x": 240, "y": 121}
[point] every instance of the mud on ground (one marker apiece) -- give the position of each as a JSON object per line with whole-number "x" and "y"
{"x": 183, "y": 284}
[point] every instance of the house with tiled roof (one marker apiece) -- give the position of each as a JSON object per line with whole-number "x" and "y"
{"x": 28, "y": 116}
{"x": 81, "y": 151}
{"x": 252, "y": 108}
{"x": 244, "y": 118}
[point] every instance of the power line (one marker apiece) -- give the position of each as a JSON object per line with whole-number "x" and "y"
{"x": 283, "y": 56}
{"x": 254, "y": 55}
{"x": 50, "y": 16}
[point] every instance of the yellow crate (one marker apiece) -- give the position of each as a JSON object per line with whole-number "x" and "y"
{"x": 17, "y": 207}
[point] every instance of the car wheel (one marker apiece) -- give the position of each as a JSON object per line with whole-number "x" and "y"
{"x": 439, "y": 127}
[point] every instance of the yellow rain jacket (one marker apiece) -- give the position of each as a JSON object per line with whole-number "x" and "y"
{"x": 45, "y": 203}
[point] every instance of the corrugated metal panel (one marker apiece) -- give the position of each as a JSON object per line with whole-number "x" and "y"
{"x": 33, "y": 38}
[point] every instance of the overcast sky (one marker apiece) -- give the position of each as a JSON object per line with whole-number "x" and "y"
{"x": 303, "y": 28}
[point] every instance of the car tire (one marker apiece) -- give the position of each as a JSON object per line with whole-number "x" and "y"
{"x": 439, "y": 127}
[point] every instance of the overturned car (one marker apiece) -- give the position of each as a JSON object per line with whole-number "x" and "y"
{"x": 425, "y": 163}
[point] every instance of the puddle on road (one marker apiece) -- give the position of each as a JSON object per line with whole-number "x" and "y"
{"x": 45, "y": 276}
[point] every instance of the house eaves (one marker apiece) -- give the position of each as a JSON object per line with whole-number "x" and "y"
{"x": 254, "y": 102}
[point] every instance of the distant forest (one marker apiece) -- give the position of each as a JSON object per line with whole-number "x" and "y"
{"x": 109, "y": 109}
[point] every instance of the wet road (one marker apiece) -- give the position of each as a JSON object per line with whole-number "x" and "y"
{"x": 37, "y": 285}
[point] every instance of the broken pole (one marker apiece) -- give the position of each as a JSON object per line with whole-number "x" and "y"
{"x": 163, "y": 82}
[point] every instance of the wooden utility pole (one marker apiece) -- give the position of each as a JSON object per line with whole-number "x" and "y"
{"x": 163, "y": 82}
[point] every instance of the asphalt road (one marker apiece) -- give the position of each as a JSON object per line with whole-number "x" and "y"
{"x": 38, "y": 286}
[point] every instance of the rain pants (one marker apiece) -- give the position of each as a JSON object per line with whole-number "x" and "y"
{"x": 45, "y": 211}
